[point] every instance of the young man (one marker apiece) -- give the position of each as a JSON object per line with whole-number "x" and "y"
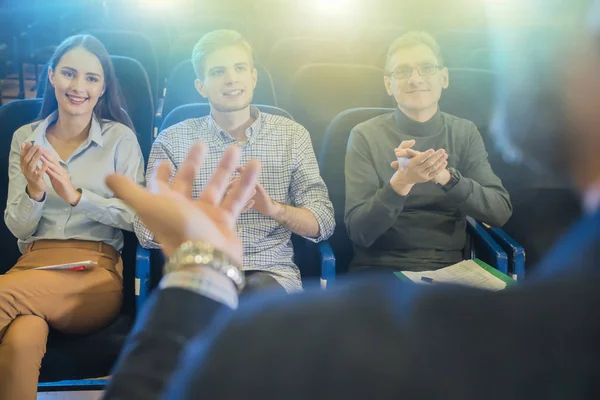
{"x": 412, "y": 216}
{"x": 290, "y": 197}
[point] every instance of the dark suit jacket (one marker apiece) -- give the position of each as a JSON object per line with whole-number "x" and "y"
{"x": 383, "y": 339}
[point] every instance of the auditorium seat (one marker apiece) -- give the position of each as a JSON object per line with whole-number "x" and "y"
{"x": 331, "y": 160}
{"x": 288, "y": 55}
{"x": 154, "y": 26}
{"x": 457, "y": 45}
{"x": 370, "y": 46}
{"x": 197, "y": 110}
{"x": 133, "y": 45}
{"x": 138, "y": 99}
{"x": 321, "y": 91}
{"x": 188, "y": 36}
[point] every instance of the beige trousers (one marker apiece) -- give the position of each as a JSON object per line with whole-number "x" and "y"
{"x": 31, "y": 301}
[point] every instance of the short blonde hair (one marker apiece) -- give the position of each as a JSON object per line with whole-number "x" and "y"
{"x": 213, "y": 41}
{"x": 411, "y": 39}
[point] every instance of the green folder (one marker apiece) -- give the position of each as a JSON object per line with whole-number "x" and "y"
{"x": 503, "y": 277}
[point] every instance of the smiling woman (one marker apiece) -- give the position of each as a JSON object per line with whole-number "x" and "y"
{"x": 61, "y": 212}
{"x": 78, "y": 78}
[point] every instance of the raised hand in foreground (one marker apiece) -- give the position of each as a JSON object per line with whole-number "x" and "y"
{"x": 169, "y": 211}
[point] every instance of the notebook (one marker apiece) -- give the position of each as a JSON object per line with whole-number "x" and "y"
{"x": 76, "y": 266}
{"x": 466, "y": 273}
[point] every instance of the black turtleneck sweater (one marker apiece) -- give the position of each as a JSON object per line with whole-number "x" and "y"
{"x": 426, "y": 229}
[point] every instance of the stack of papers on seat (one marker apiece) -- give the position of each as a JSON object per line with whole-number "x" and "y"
{"x": 466, "y": 273}
{"x": 79, "y": 265}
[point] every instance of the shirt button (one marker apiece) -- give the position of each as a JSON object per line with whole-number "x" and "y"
{"x": 66, "y": 210}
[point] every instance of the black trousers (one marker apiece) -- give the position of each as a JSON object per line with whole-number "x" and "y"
{"x": 168, "y": 321}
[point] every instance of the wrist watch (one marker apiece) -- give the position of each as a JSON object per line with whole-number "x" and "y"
{"x": 194, "y": 254}
{"x": 454, "y": 177}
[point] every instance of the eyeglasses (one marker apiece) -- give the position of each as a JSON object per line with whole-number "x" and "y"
{"x": 423, "y": 70}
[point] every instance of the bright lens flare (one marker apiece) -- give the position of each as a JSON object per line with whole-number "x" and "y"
{"x": 156, "y": 5}
{"x": 335, "y": 8}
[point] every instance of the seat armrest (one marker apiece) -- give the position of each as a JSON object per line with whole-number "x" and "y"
{"x": 516, "y": 252}
{"x": 142, "y": 276}
{"x": 158, "y": 116}
{"x": 486, "y": 247}
{"x": 327, "y": 260}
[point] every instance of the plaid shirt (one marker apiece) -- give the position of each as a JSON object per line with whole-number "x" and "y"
{"x": 290, "y": 175}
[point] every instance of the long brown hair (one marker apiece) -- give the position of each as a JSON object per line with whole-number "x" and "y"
{"x": 110, "y": 104}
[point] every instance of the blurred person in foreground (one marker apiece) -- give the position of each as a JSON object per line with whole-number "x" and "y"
{"x": 378, "y": 338}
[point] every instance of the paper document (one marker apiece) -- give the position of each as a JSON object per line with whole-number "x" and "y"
{"x": 79, "y": 265}
{"x": 467, "y": 273}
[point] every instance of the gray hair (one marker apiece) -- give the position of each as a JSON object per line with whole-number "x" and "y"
{"x": 411, "y": 39}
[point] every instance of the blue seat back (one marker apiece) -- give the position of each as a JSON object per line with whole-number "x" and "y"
{"x": 332, "y": 163}
{"x": 289, "y": 54}
{"x": 322, "y": 91}
{"x": 198, "y": 110}
{"x": 13, "y": 115}
{"x": 470, "y": 95}
{"x": 137, "y": 97}
{"x": 133, "y": 45}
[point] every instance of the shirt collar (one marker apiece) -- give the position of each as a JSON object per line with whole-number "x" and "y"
{"x": 591, "y": 199}
{"x": 39, "y": 132}
{"x": 251, "y": 132}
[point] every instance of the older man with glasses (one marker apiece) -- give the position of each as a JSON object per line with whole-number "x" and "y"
{"x": 413, "y": 175}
